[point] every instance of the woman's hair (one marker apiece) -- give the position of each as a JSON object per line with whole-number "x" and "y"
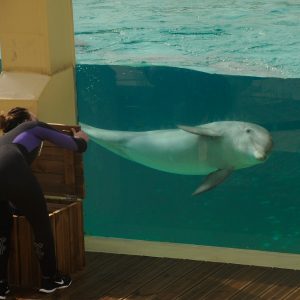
{"x": 13, "y": 118}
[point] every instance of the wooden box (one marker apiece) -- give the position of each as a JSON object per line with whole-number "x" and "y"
{"x": 60, "y": 173}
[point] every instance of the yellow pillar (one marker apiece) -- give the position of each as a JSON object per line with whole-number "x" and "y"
{"x": 38, "y": 58}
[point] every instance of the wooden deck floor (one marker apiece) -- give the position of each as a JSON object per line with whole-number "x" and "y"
{"x": 112, "y": 277}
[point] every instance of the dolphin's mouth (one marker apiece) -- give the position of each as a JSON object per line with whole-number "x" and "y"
{"x": 269, "y": 147}
{"x": 263, "y": 155}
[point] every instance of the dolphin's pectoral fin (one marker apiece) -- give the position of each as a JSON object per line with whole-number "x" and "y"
{"x": 200, "y": 130}
{"x": 212, "y": 180}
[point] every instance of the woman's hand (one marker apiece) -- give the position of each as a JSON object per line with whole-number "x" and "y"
{"x": 80, "y": 134}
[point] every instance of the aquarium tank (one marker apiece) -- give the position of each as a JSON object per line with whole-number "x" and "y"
{"x": 154, "y": 65}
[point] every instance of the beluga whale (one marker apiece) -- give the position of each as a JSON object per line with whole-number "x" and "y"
{"x": 214, "y": 149}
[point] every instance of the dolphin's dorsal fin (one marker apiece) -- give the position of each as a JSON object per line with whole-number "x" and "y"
{"x": 200, "y": 130}
{"x": 212, "y": 180}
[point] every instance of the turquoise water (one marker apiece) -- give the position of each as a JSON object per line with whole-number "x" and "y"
{"x": 245, "y": 37}
{"x": 256, "y": 208}
{"x": 146, "y": 65}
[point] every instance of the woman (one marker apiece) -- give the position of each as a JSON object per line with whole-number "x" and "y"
{"x": 19, "y": 146}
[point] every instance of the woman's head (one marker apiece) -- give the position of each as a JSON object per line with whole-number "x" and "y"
{"x": 14, "y": 117}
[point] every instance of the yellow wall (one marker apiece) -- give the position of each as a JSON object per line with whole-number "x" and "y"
{"x": 37, "y": 38}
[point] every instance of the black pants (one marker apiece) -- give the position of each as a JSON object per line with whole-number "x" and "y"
{"x": 19, "y": 186}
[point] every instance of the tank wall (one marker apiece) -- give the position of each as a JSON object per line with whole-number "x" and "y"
{"x": 256, "y": 208}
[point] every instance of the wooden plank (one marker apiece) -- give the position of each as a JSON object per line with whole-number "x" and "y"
{"x": 202, "y": 271}
{"x": 292, "y": 294}
{"x": 56, "y": 166}
{"x": 80, "y": 226}
{"x": 73, "y": 238}
{"x": 77, "y": 233}
{"x": 55, "y": 185}
{"x": 125, "y": 279}
{"x": 124, "y": 283}
{"x": 75, "y": 243}
{"x": 203, "y": 286}
{"x": 49, "y": 153}
{"x": 129, "y": 286}
{"x": 69, "y": 170}
{"x": 230, "y": 285}
{"x": 62, "y": 238}
{"x": 102, "y": 263}
{"x": 49, "y": 166}
{"x": 14, "y": 262}
{"x": 52, "y": 221}
{"x": 29, "y": 266}
{"x": 261, "y": 284}
{"x": 283, "y": 286}
{"x": 80, "y": 190}
{"x": 52, "y": 207}
{"x": 102, "y": 277}
{"x": 151, "y": 288}
{"x": 50, "y": 180}
{"x": 60, "y": 183}
{"x": 65, "y": 128}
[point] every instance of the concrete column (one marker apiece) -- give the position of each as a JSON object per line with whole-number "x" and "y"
{"x": 38, "y": 58}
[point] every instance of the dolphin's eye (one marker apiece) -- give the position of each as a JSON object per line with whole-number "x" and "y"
{"x": 248, "y": 130}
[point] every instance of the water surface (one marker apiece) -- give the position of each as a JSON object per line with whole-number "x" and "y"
{"x": 260, "y": 38}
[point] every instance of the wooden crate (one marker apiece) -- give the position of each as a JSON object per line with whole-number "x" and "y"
{"x": 60, "y": 173}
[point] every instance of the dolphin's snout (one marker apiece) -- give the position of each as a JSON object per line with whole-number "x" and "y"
{"x": 260, "y": 154}
{"x": 268, "y": 149}
{"x": 269, "y": 146}
{"x": 262, "y": 157}
{"x": 263, "y": 154}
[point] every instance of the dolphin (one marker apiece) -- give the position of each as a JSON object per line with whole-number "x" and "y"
{"x": 214, "y": 149}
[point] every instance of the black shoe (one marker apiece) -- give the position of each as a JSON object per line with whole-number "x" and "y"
{"x": 4, "y": 289}
{"x": 51, "y": 284}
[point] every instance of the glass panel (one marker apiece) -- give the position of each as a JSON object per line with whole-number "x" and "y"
{"x": 153, "y": 65}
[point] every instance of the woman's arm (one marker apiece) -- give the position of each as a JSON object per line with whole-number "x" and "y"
{"x": 76, "y": 143}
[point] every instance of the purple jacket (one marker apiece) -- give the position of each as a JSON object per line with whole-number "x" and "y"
{"x": 28, "y": 137}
